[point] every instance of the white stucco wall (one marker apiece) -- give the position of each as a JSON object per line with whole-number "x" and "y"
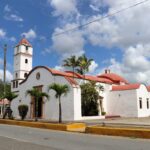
{"x": 144, "y": 95}
{"x": 71, "y": 104}
{"x": 20, "y": 67}
{"x": 22, "y": 49}
{"x": 123, "y": 103}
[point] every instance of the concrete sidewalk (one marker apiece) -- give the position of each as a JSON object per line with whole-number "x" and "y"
{"x": 121, "y": 122}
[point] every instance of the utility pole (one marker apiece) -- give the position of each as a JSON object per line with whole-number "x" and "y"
{"x": 5, "y": 49}
{"x": 4, "y": 78}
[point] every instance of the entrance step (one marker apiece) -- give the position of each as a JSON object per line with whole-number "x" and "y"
{"x": 112, "y": 116}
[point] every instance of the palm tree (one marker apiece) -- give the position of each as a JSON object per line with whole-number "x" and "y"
{"x": 10, "y": 96}
{"x": 60, "y": 90}
{"x": 37, "y": 95}
{"x": 71, "y": 62}
{"x": 84, "y": 64}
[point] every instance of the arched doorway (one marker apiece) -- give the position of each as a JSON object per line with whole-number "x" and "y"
{"x": 39, "y": 109}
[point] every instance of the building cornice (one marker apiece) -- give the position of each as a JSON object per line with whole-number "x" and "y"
{"x": 25, "y": 54}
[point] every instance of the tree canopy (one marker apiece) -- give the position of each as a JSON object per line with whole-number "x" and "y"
{"x": 7, "y": 88}
{"x": 89, "y": 99}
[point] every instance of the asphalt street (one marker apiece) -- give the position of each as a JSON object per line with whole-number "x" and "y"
{"x": 24, "y": 138}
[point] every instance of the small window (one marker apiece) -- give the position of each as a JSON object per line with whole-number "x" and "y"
{"x": 25, "y": 75}
{"x": 38, "y": 76}
{"x": 16, "y": 84}
{"x": 140, "y": 103}
{"x": 16, "y": 75}
{"x": 26, "y": 61}
{"x": 27, "y": 48}
{"x": 147, "y": 103}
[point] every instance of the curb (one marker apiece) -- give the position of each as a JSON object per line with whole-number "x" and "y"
{"x": 126, "y": 132}
{"x": 81, "y": 127}
{"x": 76, "y": 127}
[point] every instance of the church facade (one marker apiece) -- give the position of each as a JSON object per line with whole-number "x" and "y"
{"x": 119, "y": 98}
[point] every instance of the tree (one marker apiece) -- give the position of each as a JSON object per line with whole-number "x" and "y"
{"x": 84, "y": 64}
{"x": 37, "y": 95}
{"x": 71, "y": 62}
{"x": 2, "y": 93}
{"x": 99, "y": 88}
{"x": 60, "y": 90}
{"x": 7, "y": 88}
{"x": 89, "y": 99}
{"x": 10, "y": 96}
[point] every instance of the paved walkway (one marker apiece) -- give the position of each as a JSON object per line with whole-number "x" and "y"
{"x": 136, "y": 122}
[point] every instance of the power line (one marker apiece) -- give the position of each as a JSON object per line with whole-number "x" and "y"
{"x": 102, "y": 18}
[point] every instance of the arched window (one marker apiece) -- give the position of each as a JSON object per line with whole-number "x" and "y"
{"x": 25, "y": 75}
{"x": 26, "y": 61}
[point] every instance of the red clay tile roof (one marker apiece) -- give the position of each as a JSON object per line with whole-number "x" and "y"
{"x": 113, "y": 77}
{"x": 24, "y": 42}
{"x": 70, "y": 75}
{"x": 126, "y": 87}
{"x": 148, "y": 88}
{"x": 93, "y": 78}
{"x": 76, "y": 75}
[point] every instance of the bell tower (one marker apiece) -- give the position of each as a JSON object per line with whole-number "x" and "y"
{"x": 22, "y": 62}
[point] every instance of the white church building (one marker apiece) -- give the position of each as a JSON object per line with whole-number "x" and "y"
{"x": 119, "y": 98}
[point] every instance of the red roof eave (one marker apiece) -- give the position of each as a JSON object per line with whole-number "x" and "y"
{"x": 126, "y": 87}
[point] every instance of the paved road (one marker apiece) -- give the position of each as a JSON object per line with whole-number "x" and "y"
{"x": 24, "y": 138}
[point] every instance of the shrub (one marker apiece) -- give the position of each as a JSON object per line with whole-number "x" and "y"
{"x": 103, "y": 113}
{"x": 23, "y": 110}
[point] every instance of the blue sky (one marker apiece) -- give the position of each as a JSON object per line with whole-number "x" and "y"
{"x": 120, "y": 43}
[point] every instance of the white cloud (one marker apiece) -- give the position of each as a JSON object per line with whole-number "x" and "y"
{"x": 9, "y": 76}
{"x": 93, "y": 67}
{"x": 2, "y": 33}
{"x": 7, "y": 8}
{"x": 5, "y": 37}
{"x": 70, "y": 43}
{"x": 122, "y": 30}
{"x": 1, "y": 61}
{"x": 60, "y": 68}
{"x": 94, "y": 7}
{"x": 13, "y": 39}
{"x": 135, "y": 64}
{"x": 31, "y": 34}
{"x": 11, "y": 15}
{"x": 63, "y": 8}
{"x": 128, "y": 30}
